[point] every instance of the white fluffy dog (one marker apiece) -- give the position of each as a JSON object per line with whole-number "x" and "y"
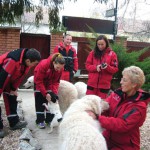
{"x": 78, "y": 130}
{"x": 81, "y": 89}
{"x": 67, "y": 92}
{"x": 54, "y": 109}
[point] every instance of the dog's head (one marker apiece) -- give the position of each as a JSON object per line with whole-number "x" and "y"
{"x": 29, "y": 83}
{"x": 54, "y": 109}
{"x": 81, "y": 88}
{"x": 95, "y": 104}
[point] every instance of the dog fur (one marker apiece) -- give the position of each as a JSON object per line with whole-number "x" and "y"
{"x": 78, "y": 130}
{"x": 54, "y": 108}
{"x": 67, "y": 92}
{"x": 81, "y": 89}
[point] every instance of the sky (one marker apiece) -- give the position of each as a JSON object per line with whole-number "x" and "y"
{"x": 87, "y": 8}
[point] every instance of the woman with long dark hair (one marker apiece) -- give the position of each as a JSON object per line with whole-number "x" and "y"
{"x": 101, "y": 65}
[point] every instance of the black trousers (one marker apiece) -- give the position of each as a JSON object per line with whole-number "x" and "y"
{"x": 42, "y": 115}
{"x": 11, "y": 109}
{"x": 1, "y": 121}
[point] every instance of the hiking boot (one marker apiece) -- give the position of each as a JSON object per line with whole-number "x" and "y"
{"x": 19, "y": 125}
{"x": 41, "y": 125}
{"x": 1, "y": 133}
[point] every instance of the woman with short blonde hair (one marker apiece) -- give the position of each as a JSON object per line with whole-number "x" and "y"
{"x": 127, "y": 112}
{"x": 136, "y": 75}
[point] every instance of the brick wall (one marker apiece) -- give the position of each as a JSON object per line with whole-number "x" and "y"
{"x": 55, "y": 40}
{"x": 121, "y": 39}
{"x": 9, "y": 39}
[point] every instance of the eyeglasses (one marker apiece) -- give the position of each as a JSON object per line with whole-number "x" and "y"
{"x": 124, "y": 80}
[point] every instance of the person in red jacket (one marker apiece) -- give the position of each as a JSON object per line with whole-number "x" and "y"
{"x": 101, "y": 65}
{"x": 70, "y": 55}
{"x": 14, "y": 66}
{"x": 127, "y": 112}
{"x": 46, "y": 80}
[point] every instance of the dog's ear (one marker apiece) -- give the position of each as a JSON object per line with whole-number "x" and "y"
{"x": 93, "y": 103}
{"x": 98, "y": 109}
{"x": 96, "y": 104}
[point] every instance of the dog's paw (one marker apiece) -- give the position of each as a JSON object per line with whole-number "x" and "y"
{"x": 50, "y": 131}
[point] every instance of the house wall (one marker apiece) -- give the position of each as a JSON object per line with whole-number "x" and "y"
{"x": 55, "y": 40}
{"x": 136, "y": 46}
{"x": 9, "y": 39}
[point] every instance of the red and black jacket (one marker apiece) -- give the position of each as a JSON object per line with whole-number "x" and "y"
{"x": 102, "y": 79}
{"x": 123, "y": 120}
{"x": 71, "y": 60}
{"x": 12, "y": 69}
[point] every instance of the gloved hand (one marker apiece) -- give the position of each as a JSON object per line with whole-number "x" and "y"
{"x": 54, "y": 97}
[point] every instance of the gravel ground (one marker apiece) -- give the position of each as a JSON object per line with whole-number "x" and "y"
{"x": 145, "y": 132}
{"x": 11, "y": 140}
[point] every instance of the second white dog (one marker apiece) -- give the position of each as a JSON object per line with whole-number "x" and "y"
{"x": 78, "y": 130}
{"x": 67, "y": 92}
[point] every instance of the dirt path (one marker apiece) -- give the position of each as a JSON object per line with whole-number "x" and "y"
{"x": 47, "y": 141}
{"x": 50, "y": 141}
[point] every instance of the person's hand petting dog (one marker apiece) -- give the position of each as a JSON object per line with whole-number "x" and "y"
{"x": 92, "y": 114}
{"x": 14, "y": 93}
{"x": 48, "y": 97}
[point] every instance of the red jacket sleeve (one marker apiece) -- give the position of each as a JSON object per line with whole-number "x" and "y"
{"x": 75, "y": 60}
{"x": 122, "y": 124}
{"x": 6, "y": 72}
{"x": 9, "y": 67}
{"x": 11, "y": 74}
{"x": 16, "y": 84}
{"x": 54, "y": 86}
{"x": 38, "y": 78}
{"x": 113, "y": 66}
{"x": 56, "y": 50}
{"x": 90, "y": 67}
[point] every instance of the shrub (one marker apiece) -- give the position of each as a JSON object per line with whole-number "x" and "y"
{"x": 127, "y": 59}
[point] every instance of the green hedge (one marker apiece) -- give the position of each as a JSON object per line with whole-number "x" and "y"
{"x": 127, "y": 59}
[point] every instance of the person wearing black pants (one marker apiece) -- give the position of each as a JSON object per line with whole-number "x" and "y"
{"x": 14, "y": 66}
{"x": 46, "y": 80}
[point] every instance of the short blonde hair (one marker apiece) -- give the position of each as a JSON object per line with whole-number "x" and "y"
{"x": 135, "y": 74}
